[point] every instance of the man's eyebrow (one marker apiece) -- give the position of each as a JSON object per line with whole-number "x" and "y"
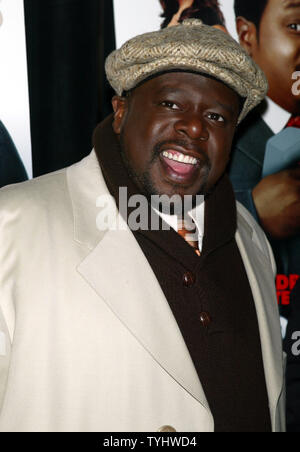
{"x": 288, "y": 4}
{"x": 165, "y": 90}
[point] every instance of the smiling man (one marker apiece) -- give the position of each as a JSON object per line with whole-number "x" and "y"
{"x": 141, "y": 329}
{"x": 179, "y": 156}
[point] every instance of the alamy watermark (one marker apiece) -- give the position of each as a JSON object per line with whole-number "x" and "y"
{"x": 296, "y": 345}
{"x": 296, "y": 84}
{"x": 137, "y": 215}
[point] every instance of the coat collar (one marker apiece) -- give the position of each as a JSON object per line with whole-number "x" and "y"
{"x": 251, "y": 137}
{"x": 134, "y": 295}
{"x": 263, "y": 289}
{"x": 86, "y": 184}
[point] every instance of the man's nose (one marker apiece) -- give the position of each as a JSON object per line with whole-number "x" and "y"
{"x": 193, "y": 126}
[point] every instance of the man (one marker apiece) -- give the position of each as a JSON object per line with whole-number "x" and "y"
{"x": 175, "y": 11}
{"x": 269, "y": 31}
{"x": 126, "y": 327}
{"x": 11, "y": 167}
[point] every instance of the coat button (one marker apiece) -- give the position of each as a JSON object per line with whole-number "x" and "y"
{"x": 189, "y": 279}
{"x": 205, "y": 318}
{"x": 166, "y": 429}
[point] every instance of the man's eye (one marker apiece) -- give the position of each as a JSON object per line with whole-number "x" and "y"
{"x": 294, "y": 27}
{"x": 216, "y": 117}
{"x": 170, "y": 105}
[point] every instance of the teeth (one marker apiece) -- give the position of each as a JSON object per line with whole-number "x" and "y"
{"x": 180, "y": 158}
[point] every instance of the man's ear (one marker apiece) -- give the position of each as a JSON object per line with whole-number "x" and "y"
{"x": 120, "y": 108}
{"x": 247, "y": 34}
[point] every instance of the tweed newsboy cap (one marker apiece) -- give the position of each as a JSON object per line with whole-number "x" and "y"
{"x": 190, "y": 46}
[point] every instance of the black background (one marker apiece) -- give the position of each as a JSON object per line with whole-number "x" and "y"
{"x": 67, "y": 43}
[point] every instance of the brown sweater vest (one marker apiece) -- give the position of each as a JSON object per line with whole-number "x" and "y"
{"x": 210, "y": 298}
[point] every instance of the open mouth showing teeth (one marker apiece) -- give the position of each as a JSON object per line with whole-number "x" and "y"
{"x": 178, "y": 166}
{"x": 181, "y": 158}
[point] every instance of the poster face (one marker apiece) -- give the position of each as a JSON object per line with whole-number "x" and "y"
{"x": 259, "y": 164}
{"x": 14, "y": 105}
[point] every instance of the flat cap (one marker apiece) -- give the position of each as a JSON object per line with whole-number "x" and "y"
{"x": 190, "y": 46}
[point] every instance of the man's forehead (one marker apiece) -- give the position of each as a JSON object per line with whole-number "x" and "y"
{"x": 175, "y": 77}
{"x": 189, "y": 84}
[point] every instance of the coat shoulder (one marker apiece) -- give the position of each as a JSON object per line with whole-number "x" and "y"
{"x": 34, "y": 193}
{"x": 247, "y": 224}
{"x": 52, "y": 189}
{"x": 30, "y": 207}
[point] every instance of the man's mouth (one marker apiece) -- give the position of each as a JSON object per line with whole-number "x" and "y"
{"x": 179, "y": 157}
{"x": 179, "y": 166}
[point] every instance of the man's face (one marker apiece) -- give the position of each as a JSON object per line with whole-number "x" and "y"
{"x": 176, "y": 132}
{"x": 277, "y": 50}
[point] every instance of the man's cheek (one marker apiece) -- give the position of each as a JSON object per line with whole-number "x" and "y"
{"x": 286, "y": 48}
{"x": 137, "y": 154}
{"x": 219, "y": 160}
{"x": 283, "y": 57}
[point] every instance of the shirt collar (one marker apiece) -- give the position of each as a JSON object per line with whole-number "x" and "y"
{"x": 275, "y": 116}
{"x": 196, "y": 214}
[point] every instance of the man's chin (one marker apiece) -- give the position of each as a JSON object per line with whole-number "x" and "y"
{"x": 181, "y": 190}
{"x": 176, "y": 203}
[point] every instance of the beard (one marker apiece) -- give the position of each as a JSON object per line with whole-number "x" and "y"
{"x": 146, "y": 185}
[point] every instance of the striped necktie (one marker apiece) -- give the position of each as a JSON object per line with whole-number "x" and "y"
{"x": 189, "y": 235}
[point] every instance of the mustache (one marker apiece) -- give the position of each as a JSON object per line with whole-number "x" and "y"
{"x": 181, "y": 143}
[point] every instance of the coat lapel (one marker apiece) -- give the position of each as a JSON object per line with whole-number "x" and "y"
{"x": 263, "y": 289}
{"x": 252, "y": 136}
{"x": 130, "y": 288}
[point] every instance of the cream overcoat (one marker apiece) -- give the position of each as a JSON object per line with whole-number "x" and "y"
{"x": 87, "y": 339}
